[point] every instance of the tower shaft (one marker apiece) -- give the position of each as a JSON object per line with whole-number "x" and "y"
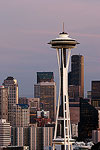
{"x": 63, "y": 64}
{"x": 63, "y": 102}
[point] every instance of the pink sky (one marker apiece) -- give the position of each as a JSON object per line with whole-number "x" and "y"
{"x": 26, "y": 26}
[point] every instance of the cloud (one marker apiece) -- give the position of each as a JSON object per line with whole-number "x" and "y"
{"x": 86, "y": 35}
{"x": 37, "y": 32}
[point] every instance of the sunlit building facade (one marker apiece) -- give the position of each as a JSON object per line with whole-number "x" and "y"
{"x": 3, "y": 103}
{"x": 12, "y": 86}
{"x": 5, "y": 133}
{"x": 20, "y": 136}
{"x": 21, "y": 115}
{"x": 40, "y": 137}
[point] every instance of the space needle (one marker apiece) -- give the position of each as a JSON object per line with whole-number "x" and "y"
{"x": 63, "y": 45}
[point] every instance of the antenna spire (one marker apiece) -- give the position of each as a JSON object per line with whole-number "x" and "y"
{"x": 63, "y": 26}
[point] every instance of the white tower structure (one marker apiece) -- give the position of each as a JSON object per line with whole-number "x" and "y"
{"x": 63, "y": 45}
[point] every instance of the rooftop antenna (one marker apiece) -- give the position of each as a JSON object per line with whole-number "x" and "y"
{"x": 63, "y": 27}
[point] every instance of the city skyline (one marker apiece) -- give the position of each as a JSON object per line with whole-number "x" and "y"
{"x": 27, "y": 26}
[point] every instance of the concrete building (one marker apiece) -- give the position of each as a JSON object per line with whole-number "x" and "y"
{"x": 20, "y": 136}
{"x": 23, "y": 100}
{"x": 74, "y": 130}
{"x": 74, "y": 91}
{"x": 89, "y": 94}
{"x": 21, "y": 115}
{"x": 95, "y": 93}
{"x": 15, "y": 148}
{"x": 5, "y": 133}
{"x": 34, "y": 103}
{"x": 3, "y": 103}
{"x": 74, "y": 108}
{"x": 37, "y": 138}
{"x": 12, "y": 86}
{"x": 40, "y": 137}
{"x": 96, "y": 136}
{"x": 47, "y": 136}
{"x": 43, "y": 114}
{"x": 74, "y": 112}
{"x": 76, "y": 76}
{"x": 46, "y": 91}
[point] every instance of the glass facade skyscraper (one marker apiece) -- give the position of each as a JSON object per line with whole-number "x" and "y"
{"x": 76, "y": 76}
{"x": 95, "y": 93}
{"x": 45, "y": 89}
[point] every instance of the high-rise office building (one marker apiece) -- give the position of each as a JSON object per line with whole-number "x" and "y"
{"x": 20, "y": 136}
{"x": 89, "y": 120}
{"x": 3, "y": 103}
{"x": 95, "y": 93}
{"x": 5, "y": 133}
{"x": 76, "y": 76}
{"x": 45, "y": 77}
{"x": 23, "y": 100}
{"x": 74, "y": 108}
{"x": 74, "y": 91}
{"x": 89, "y": 94}
{"x": 21, "y": 115}
{"x": 96, "y": 136}
{"x": 40, "y": 137}
{"x": 15, "y": 148}
{"x": 45, "y": 89}
{"x": 12, "y": 86}
{"x": 74, "y": 130}
{"x": 74, "y": 112}
{"x": 34, "y": 104}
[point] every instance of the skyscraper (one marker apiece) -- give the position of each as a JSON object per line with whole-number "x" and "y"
{"x": 20, "y": 136}
{"x": 40, "y": 137}
{"x": 46, "y": 91}
{"x": 21, "y": 115}
{"x": 3, "y": 103}
{"x": 12, "y": 86}
{"x": 45, "y": 77}
{"x": 34, "y": 104}
{"x": 76, "y": 76}
{"x": 5, "y": 133}
{"x": 95, "y": 93}
{"x": 89, "y": 120}
{"x": 23, "y": 100}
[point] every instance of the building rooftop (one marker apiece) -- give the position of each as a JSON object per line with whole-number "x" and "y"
{"x": 10, "y": 78}
{"x": 45, "y": 77}
{"x": 23, "y": 106}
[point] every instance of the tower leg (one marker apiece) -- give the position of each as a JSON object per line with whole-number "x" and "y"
{"x": 53, "y": 146}
{"x": 71, "y": 147}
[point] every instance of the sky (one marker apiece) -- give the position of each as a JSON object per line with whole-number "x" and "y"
{"x": 26, "y": 26}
